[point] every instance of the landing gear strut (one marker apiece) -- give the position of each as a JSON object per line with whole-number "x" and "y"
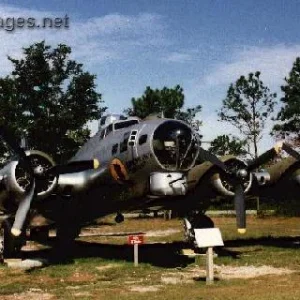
{"x": 195, "y": 220}
{"x": 119, "y": 218}
{"x": 10, "y": 246}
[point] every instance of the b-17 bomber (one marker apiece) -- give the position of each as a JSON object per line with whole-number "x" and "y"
{"x": 129, "y": 164}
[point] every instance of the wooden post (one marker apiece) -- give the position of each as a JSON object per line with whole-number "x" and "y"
{"x": 136, "y": 254}
{"x": 209, "y": 266}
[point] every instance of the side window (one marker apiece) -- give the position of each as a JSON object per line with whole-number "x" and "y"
{"x": 114, "y": 149}
{"x": 109, "y": 129}
{"x": 102, "y": 122}
{"x": 143, "y": 139}
{"x": 123, "y": 145}
{"x": 102, "y": 134}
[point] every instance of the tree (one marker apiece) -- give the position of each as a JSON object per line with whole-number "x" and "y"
{"x": 227, "y": 144}
{"x": 247, "y": 106}
{"x": 50, "y": 98}
{"x": 289, "y": 115}
{"x": 189, "y": 116}
{"x": 167, "y": 101}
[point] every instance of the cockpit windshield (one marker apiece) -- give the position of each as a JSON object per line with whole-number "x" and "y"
{"x": 175, "y": 145}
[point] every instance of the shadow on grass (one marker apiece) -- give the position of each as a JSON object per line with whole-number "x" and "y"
{"x": 269, "y": 241}
{"x": 163, "y": 255}
{"x": 167, "y": 255}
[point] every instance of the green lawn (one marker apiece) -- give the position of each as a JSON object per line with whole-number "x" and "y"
{"x": 103, "y": 267}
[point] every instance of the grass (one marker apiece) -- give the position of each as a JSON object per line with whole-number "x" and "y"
{"x": 103, "y": 267}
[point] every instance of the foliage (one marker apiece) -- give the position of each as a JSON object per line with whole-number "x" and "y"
{"x": 189, "y": 116}
{"x": 247, "y": 106}
{"x": 289, "y": 115}
{"x": 227, "y": 144}
{"x": 49, "y": 98}
{"x": 167, "y": 102}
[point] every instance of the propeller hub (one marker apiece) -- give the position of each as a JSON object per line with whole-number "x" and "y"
{"x": 242, "y": 173}
{"x": 38, "y": 170}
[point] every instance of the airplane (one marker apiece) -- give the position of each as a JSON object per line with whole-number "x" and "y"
{"x": 143, "y": 164}
{"x": 281, "y": 180}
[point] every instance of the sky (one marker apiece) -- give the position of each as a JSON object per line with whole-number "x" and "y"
{"x": 201, "y": 45}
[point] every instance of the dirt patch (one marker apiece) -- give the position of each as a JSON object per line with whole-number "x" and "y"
{"x": 32, "y": 294}
{"x": 79, "y": 276}
{"x": 179, "y": 277}
{"x": 82, "y": 294}
{"x": 145, "y": 289}
{"x": 107, "y": 267}
{"x": 157, "y": 233}
{"x": 229, "y": 272}
{"x": 91, "y": 232}
{"x": 222, "y": 272}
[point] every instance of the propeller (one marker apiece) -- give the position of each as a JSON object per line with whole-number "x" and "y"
{"x": 235, "y": 177}
{"x": 25, "y": 203}
{"x": 289, "y": 150}
{"x": 265, "y": 157}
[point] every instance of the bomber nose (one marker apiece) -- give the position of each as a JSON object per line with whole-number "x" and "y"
{"x": 174, "y": 145}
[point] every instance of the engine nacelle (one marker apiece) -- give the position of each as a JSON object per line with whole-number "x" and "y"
{"x": 223, "y": 186}
{"x": 71, "y": 183}
{"x": 15, "y": 178}
{"x": 262, "y": 177}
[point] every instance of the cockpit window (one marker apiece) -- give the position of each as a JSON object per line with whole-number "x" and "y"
{"x": 103, "y": 121}
{"x": 109, "y": 129}
{"x": 120, "y": 125}
{"x": 123, "y": 144}
{"x": 102, "y": 134}
{"x": 174, "y": 145}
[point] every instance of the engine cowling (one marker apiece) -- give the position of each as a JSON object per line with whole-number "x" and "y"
{"x": 222, "y": 185}
{"x": 262, "y": 177}
{"x": 16, "y": 177}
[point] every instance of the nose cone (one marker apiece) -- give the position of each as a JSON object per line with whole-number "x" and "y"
{"x": 174, "y": 145}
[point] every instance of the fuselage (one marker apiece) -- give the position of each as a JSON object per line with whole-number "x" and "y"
{"x": 147, "y": 159}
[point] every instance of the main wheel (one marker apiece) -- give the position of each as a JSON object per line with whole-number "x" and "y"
{"x": 196, "y": 220}
{"x": 10, "y": 246}
{"x": 68, "y": 228}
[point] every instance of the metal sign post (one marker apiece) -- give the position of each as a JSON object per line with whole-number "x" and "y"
{"x": 136, "y": 240}
{"x": 209, "y": 238}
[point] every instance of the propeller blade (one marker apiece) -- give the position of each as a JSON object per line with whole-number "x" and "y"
{"x": 289, "y": 150}
{"x": 265, "y": 157}
{"x": 262, "y": 159}
{"x": 239, "y": 203}
{"x": 235, "y": 179}
{"x": 24, "y": 204}
{"x": 75, "y": 166}
{"x": 22, "y": 211}
{"x": 207, "y": 156}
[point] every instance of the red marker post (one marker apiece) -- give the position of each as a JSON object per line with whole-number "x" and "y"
{"x": 136, "y": 240}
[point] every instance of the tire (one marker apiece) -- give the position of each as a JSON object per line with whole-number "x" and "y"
{"x": 11, "y": 245}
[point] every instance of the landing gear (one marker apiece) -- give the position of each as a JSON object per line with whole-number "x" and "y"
{"x": 195, "y": 220}
{"x": 119, "y": 218}
{"x": 68, "y": 228}
{"x": 10, "y": 246}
